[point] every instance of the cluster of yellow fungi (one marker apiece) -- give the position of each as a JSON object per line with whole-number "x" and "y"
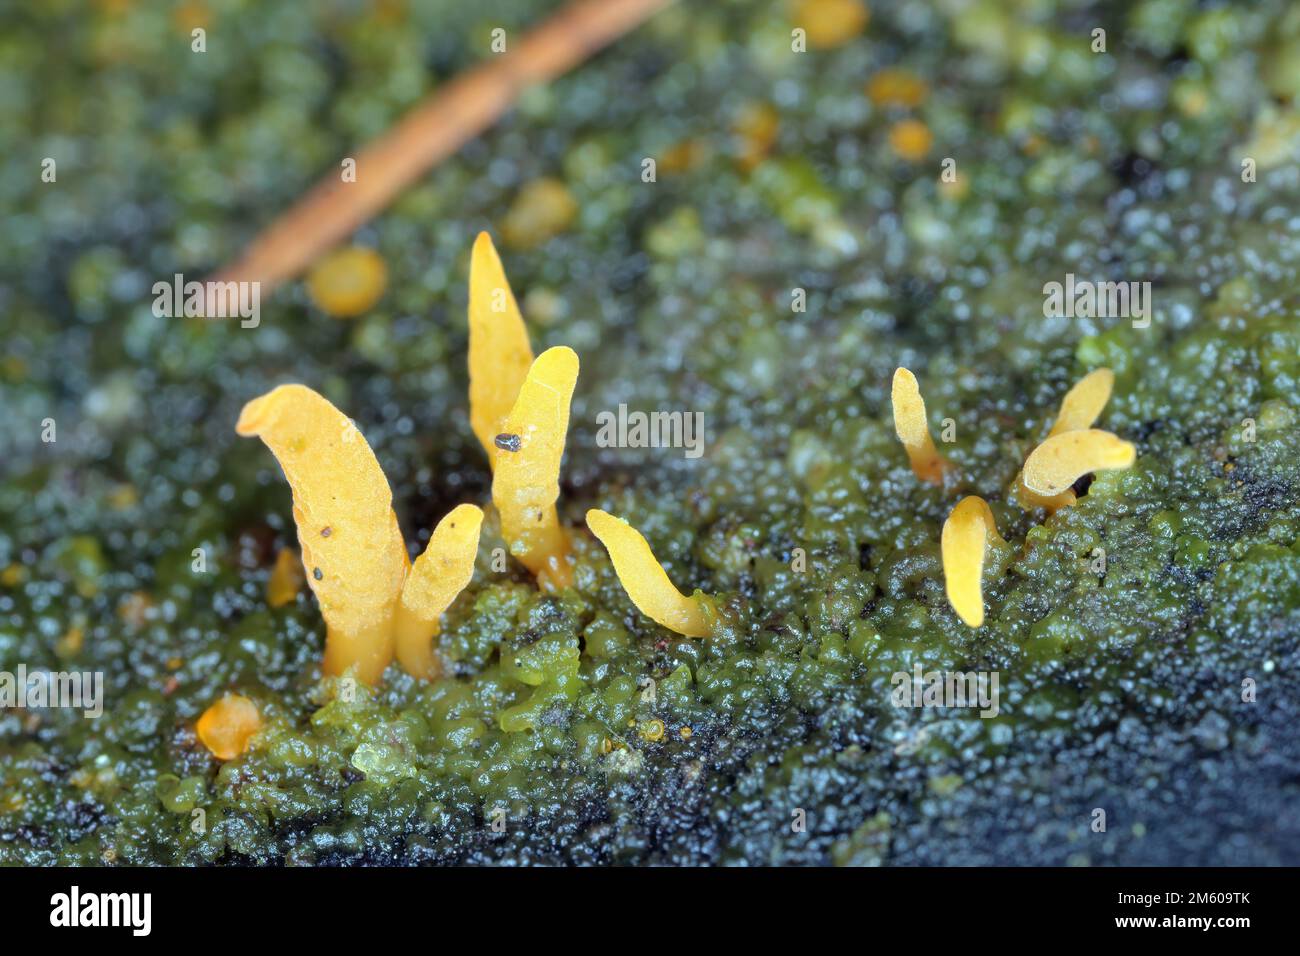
{"x": 377, "y": 605}
{"x": 1072, "y": 449}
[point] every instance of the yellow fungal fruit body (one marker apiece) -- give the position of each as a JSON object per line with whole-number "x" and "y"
{"x": 830, "y": 23}
{"x": 348, "y": 282}
{"x": 526, "y": 481}
{"x": 499, "y": 353}
{"x": 755, "y": 129}
{"x": 913, "y": 430}
{"x": 438, "y": 575}
{"x": 911, "y": 140}
{"x": 286, "y": 579}
{"x": 352, "y": 549}
{"x": 1082, "y": 404}
{"x": 896, "y": 87}
{"x": 226, "y": 727}
{"x": 965, "y": 538}
{"x": 543, "y": 209}
{"x": 1063, "y": 459}
{"x": 1080, "y": 407}
{"x": 644, "y": 579}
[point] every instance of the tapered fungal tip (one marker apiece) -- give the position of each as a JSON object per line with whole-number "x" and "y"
{"x": 258, "y": 415}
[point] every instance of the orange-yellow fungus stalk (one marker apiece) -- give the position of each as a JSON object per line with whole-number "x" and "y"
{"x": 913, "y": 430}
{"x": 352, "y": 549}
{"x": 227, "y": 726}
{"x": 526, "y": 481}
{"x": 644, "y": 579}
{"x": 1080, "y": 408}
{"x": 965, "y": 539}
{"x": 438, "y": 575}
{"x": 499, "y": 353}
{"x": 1063, "y": 459}
{"x": 286, "y": 578}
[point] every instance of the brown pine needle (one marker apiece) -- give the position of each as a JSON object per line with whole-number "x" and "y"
{"x": 434, "y": 129}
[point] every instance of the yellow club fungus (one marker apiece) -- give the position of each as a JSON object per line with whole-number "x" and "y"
{"x": 526, "y": 481}
{"x": 965, "y": 539}
{"x": 438, "y": 575}
{"x": 1063, "y": 459}
{"x": 1083, "y": 403}
{"x": 349, "y": 282}
{"x": 913, "y": 430}
{"x": 352, "y": 548}
{"x": 499, "y": 352}
{"x": 830, "y": 23}
{"x": 543, "y": 209}
{"x": 286, "y": 579}
{"x": 911, "y": 140}
{"x": 755, "y": 129}
{"x": 897, "y": 87}
{"x": 227, "y": 726}
{"x": 644, "y": 579}
{"x": 1080, "y": 408}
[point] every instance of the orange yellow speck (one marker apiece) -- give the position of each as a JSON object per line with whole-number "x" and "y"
{"x": 228, "y": 725}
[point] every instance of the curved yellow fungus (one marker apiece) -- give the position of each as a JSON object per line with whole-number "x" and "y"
{"x": 526, "y": 481}
{"x": 965, "y": 538}
{"x": 913, "y": 430}
{"x": 438, "y": 575}
{"x": 1083, "y": 403}
{"x": 644, "y": 579}
{"x": 1063, "y": 459}
{"x": 227, "y": 726}
{"x": 1080, "y": 408}
{"x": 499, "y": 353}
{"x": 351, "y": 546}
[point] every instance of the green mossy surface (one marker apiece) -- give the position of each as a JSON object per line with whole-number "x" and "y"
{"x": 1121, "y": 691}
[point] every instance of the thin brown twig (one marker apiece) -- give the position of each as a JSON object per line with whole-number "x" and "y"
{"x": 434, "y": 129}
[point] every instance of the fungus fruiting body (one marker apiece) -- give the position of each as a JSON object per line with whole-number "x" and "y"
{"x": 286, "y": 578}
{"x": 438, "y": 575}
{"x": 645, "y": 581}
{"x": 913, "y": 430}
{"x": 911, "y": 140}
{"x": 499, "y": 352}
{"x": 1063, "y": 459}
{"x": 357, "y": 570}
{"x": 965, "y": 539}
{"x": 1080, "y": 408}
{"x": 227, "y": 726}
{"x": 526, "y": 483}
{"x": 830, "y": 23}
{"x": 897, "y": 88}
{"x": 1083, "y": 403}
{"x": 349, "y": 282}
{"x": 542, "y": 209}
